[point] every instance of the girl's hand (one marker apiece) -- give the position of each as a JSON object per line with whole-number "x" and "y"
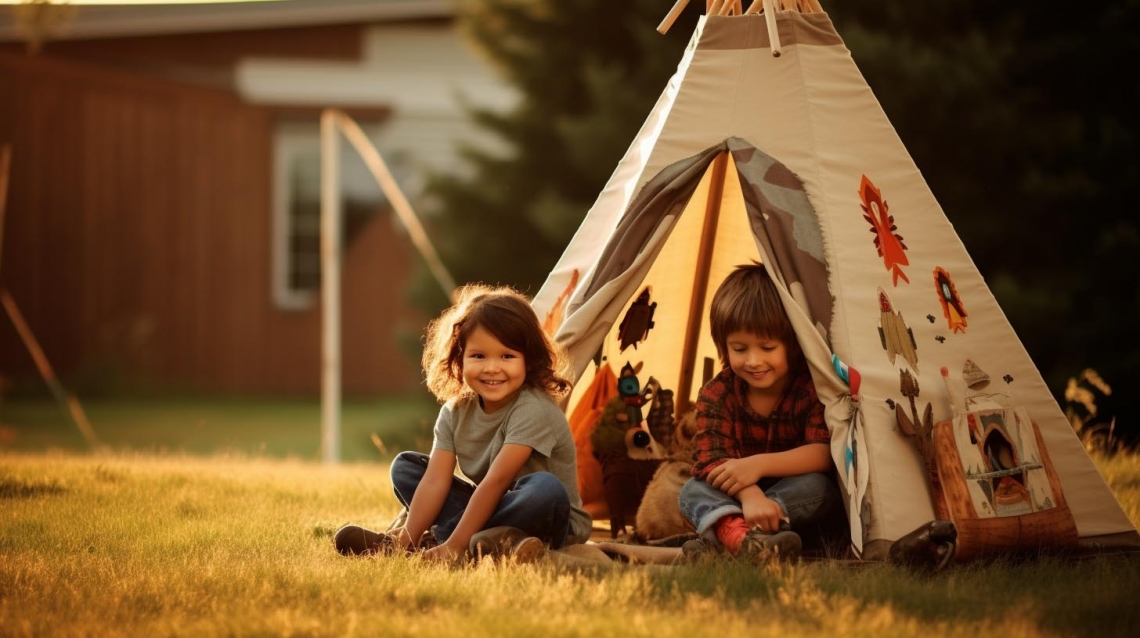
{"x": 445, "y": 553}
{"x": 763, "y": 513}
{"x": 403, "y": 539}
{"x": 736, "y": 474}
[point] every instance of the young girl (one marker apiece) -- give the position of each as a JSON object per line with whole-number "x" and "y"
{"x": 488, "y": 361}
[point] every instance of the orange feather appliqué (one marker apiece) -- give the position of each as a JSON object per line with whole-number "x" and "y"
{"x": 887, "y": 241}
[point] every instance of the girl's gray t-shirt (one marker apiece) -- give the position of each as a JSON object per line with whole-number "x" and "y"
{"x": 533, "y": 420}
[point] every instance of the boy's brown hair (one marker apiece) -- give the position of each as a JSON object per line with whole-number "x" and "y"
{"x": 508, "y": 316}
{"x": 747, "y": 300}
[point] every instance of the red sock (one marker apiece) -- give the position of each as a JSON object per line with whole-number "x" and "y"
{"x": 730, "y": 531}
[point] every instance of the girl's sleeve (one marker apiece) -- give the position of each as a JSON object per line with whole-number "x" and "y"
{"x": 444, "y": 432}
{"x": 532, "y": 424}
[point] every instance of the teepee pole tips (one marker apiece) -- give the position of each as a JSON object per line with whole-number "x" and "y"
{"x": 773, "y": 31}
{"x": 672, "y": 16}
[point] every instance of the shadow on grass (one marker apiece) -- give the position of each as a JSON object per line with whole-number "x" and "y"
{"x": 1091, "y": 596}
{"x": 19, "y": 488}
{"x": 734, "y": 583}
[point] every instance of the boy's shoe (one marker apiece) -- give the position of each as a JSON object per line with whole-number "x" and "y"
{"x": 761, "y": 547}
{"x": 506, "y": 542}
{"x": 353, "y": 540}
{"x": 698, "y": 549}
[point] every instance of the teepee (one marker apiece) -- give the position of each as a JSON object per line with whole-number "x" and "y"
{"x": 768, "y": 145}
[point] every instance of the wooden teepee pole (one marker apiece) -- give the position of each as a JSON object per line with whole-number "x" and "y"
{"x": 67, "y": 401}
{"x": 400, "y": 204}
{"x": 672, "y": 16}
{"x": 701, "y": 283}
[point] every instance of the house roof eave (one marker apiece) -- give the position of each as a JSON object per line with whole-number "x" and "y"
{"x": 98, "y": 22}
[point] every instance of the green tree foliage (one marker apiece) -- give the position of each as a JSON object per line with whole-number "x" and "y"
{"x": 1020, "y": 115}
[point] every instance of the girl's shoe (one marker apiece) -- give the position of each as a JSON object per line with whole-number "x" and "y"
{"x": 353, "y": 540}
{"x": 506, "y": 542}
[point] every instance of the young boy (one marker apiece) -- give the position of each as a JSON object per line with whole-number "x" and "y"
{"x": 763, "y": 463}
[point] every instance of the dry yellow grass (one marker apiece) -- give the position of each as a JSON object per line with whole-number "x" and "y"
{"x": 154, "y": 546}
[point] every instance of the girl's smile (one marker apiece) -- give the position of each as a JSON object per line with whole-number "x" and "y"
{"x": 495, "y": 372}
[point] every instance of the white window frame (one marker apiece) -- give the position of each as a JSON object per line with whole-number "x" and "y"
{"x": 298, "y": 138}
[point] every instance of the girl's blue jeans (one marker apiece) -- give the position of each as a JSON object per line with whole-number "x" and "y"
{"x": 537, "y": 503}
{"x": 810, "y": 501}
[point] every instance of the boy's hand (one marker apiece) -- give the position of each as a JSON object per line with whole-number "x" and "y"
{"x": 736, "y": 474}
{"x": 445, "y": 553}
{"x": 763, "y": 513}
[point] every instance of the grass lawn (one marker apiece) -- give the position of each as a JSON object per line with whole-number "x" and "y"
{"x": 273, "y": 428}
{"x": 123, "y": 543}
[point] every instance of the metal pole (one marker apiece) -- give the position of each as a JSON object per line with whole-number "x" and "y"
{"x": 330, "y": 288}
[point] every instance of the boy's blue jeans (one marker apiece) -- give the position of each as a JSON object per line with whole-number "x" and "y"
{"x": 810, "y": 501}
{"x": 538, "y": 503}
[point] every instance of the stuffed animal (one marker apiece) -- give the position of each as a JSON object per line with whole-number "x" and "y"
{"x": 624, "y": 446}
{"x": 622, "y": 429}
{"x": 659, "y": 515}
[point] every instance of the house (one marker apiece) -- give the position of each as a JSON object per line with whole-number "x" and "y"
{"x": 161, "y": 221}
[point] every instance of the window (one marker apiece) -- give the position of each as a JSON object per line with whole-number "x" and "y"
{"x": 296, "y": 250}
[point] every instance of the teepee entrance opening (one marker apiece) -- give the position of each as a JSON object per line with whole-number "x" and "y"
{"x": 692, "y": 223}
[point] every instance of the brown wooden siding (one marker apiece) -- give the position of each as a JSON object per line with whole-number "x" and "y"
{"x": 138, "y": 240}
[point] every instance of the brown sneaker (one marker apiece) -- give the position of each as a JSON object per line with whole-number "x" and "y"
{"x": 353, "y": 540}
{"x": 506, "y": 542}
{"x": 762, "y": 547}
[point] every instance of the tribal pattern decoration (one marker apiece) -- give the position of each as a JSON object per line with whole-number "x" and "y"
{"x": 896, "y": 337}
{"x": 952, "y": 307}
{"x": 887, "y": 240}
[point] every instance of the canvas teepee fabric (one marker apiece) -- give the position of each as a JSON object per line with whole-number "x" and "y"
{"x": 791, "y": 161}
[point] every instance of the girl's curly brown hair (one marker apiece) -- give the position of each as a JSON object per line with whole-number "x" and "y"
{"x": 507, "y": 315}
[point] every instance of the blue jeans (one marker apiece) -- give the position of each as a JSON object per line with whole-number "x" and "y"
{"x": 538, "y": 503}
{"x": 810, "y": 501}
